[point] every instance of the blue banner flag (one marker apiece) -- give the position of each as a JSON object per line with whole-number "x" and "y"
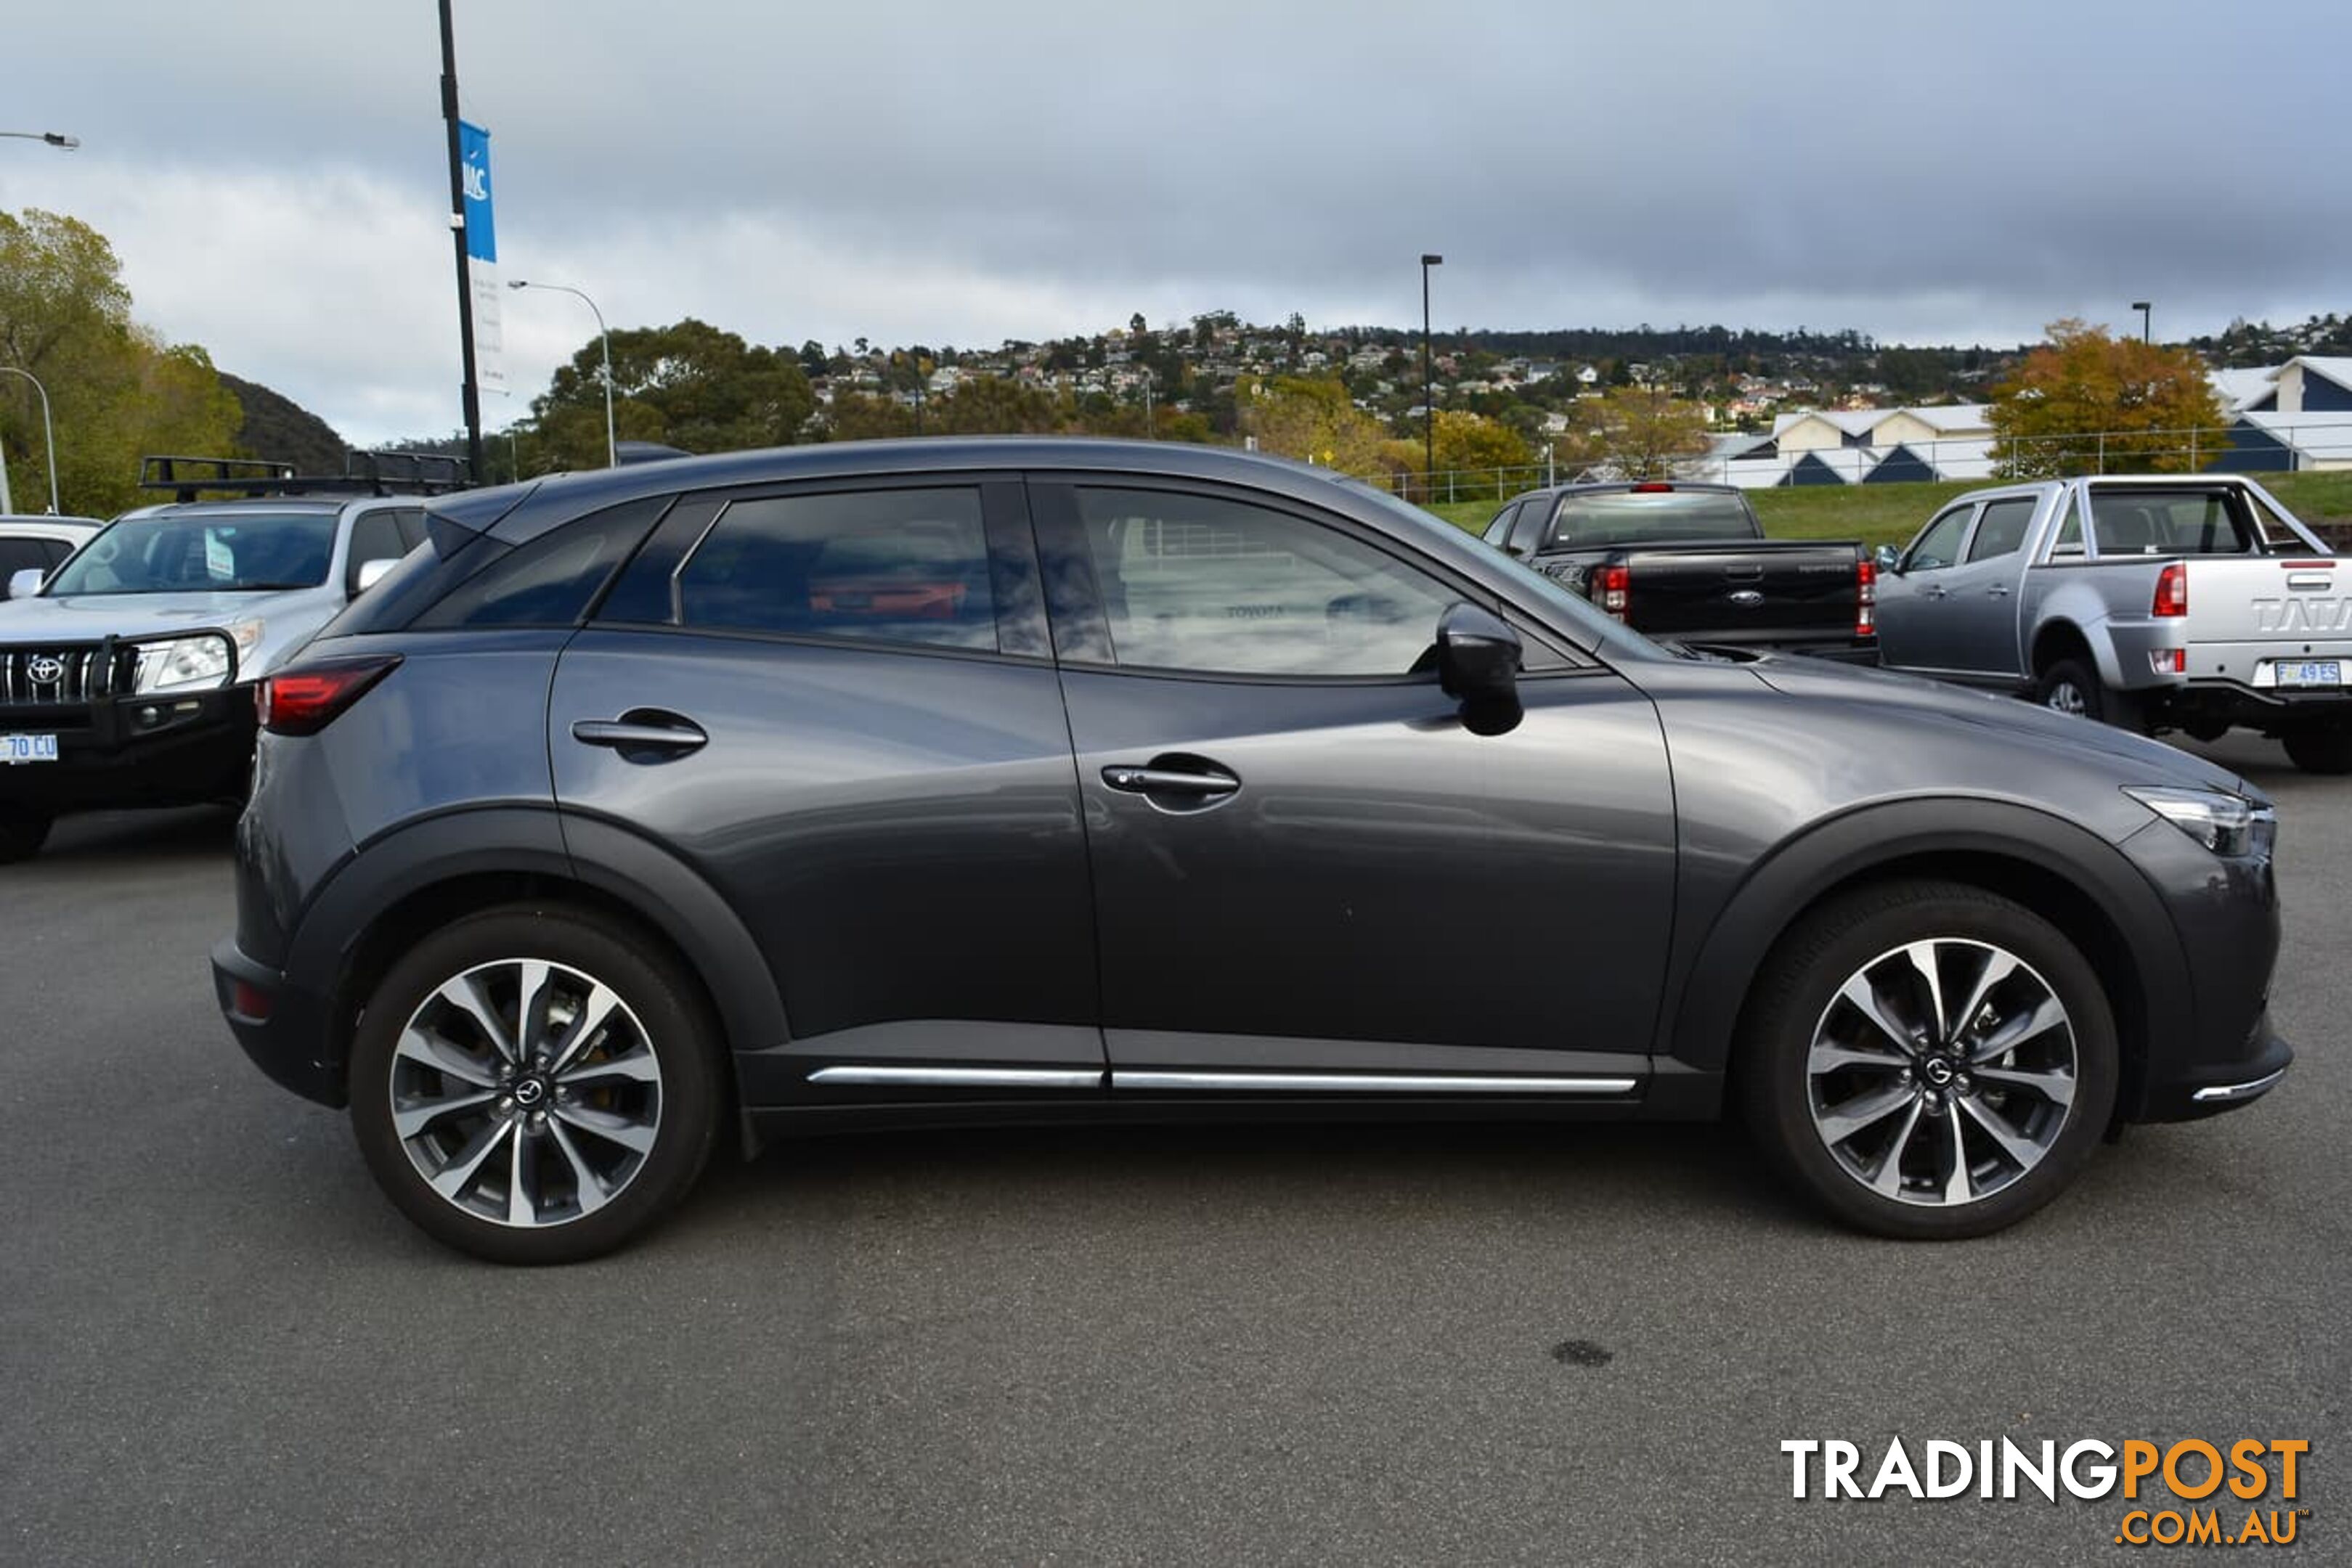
{"x": 481, "y": 229}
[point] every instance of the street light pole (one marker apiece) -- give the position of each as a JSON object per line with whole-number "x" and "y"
{"x": 469, "y": 391}
{"x": 604, "y": 338}
{"x": 63, "y": 143}
{"x": 48, "y": 433}
{"x": 2143, "y": 307}
{"x": 1428, "y": 399}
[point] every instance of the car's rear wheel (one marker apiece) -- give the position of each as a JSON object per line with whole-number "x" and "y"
{"x": 532, "y": 1085}
{"x": 2320, "y": 748}
{"x": 22, "y": 836}
{"x": 1928, "y": 1059}
{"x": 2072, "y": 685}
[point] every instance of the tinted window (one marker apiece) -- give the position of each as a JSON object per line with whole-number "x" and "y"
{"x": 1629, "y": 517}
{"x": 2002, "y": 527}
{"x": 2138, "y": 521}
{"x": 1938, "y": 545}
{"x": 551, "y": 581}
{"x": 21, "y": 555}
{"x": 892, "y": 566}
{"x": 212, "y": 551}
{"x": 374, "y": 537}
{"x": 1199, "y": 583}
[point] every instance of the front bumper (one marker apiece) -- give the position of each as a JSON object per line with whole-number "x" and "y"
{"x": 2216, "y": 1088}
{"x": 282, "y": 1028}
{"x": 179, "y": 749}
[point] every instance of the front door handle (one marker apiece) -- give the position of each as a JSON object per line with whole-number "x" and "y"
{"x": 1999, "y": 590}
{"x": 642, "y": 732}
{"x": 1932, "y": 591}
{"x": 1198, "y": 781}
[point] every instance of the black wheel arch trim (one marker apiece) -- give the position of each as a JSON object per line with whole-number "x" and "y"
{"x": 1709, "y": 994}
{"x": 533, "y": 841}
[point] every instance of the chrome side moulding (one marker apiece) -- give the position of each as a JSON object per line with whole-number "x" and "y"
{"x": 1373, "y": 1083}
{"x": 958, "y": 1077}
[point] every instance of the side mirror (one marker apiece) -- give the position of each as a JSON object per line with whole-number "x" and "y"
{"x": 1479, "y": 663}
{"x": 26, "y": 583}
{"x": 1889, "y": 559}
{"x": 374, "y": 572}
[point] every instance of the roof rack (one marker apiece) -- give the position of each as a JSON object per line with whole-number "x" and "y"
{"x": 365, "y": 474}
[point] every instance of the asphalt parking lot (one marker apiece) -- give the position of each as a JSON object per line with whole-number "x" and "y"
{"x": 218, "y": 1343}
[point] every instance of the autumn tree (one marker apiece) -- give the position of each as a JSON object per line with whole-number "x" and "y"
{"x": 2088, "y": 402}
{"x": 1473, "y": 441}
{"x": 116, "y": 389}
{"x": 1637, "y": 433}
{"x": 1311, "y": 418}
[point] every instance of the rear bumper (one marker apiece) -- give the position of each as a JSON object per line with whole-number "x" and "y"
{"x": 2232, "y": 702}
{"x": 173, "y": 750}
{"x": 281, "y": 1027}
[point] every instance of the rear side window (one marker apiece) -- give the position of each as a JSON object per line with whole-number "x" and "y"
{"x": 1499, "y": 531}
{"x": 551, "y": 581}
{"x": 22, "y": 555}
{"x": 2002, "y": 527}
{"x": 2070, "y": 532}
{"x": 887, "y": 566}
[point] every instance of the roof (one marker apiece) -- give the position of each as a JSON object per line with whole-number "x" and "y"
{"x": 2336, "y": 368}
{"x": 2325, "y": 437}
{"x": 2238, "y": 388}
{"x": 14, "y": 527}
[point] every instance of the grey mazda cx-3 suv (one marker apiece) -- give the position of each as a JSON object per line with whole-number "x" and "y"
{"x": 1026, "y": 779}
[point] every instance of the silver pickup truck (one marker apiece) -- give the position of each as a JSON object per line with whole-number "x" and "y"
{"x": 2193, "y": 603}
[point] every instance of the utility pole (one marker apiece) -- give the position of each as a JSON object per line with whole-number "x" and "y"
{"x": 473, "y": 393}
{"x": 1428, "y": 402}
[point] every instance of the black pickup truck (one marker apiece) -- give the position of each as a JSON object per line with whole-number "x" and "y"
{"x": 1690, "y": 563}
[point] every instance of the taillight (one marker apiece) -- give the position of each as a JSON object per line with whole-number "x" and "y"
{"x": 304, "y": 701}
{"x": 1865, "y": 598}
{"x": 2171, "y": 591}
{"x": 1614, "y": 584}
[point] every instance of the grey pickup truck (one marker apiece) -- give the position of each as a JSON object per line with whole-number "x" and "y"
{"x": 1690, "y": 563}
{"x": 2194, "y": 602}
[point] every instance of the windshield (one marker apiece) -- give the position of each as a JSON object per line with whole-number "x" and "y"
{"x": 1631, "y": 517}
{"x": 203, "y": 552}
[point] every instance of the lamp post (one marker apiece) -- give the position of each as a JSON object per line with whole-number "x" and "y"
{"x": 2143, "y": 307}
{"x": 63, "y": 143}
{"x": 48, "y": 433}
{"x": 1428, "y": 400}
{"x": 612, "y": 448}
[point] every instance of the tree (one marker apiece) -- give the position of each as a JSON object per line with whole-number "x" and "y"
{"x": 116, "y": 389}
{"x": 1640, "y": 432}
{"x": 2088, "y": 402}
{"x": 815, "y": 360}
{"x": 1472, "y": 442}
{"x": 1311, "y": 418}
{"x": 687, "y": 384}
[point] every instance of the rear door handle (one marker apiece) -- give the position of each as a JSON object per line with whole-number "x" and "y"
{"x": 1145, "y": 780}
{"x": 641, "y": 732}
{"x": 1999, "y": 590}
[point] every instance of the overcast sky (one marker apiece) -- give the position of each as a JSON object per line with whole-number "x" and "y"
{"x": 273, "y": 174}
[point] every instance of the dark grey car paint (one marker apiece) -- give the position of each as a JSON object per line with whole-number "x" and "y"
{"x": 882, "y": 855}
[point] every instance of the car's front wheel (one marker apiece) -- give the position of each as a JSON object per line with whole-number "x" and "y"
{"x": 1929, "y": 1060}
{"x": 21, "y": 836}
{"x": 532, "y": 1085}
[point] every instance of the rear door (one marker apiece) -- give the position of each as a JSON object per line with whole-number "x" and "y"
{"x": 836, "y": 703}
{"x": 1300, "y": 857}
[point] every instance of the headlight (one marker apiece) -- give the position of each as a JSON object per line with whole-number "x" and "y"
{"x": 185, "y": 663}
{"x": 2226, "y": 824}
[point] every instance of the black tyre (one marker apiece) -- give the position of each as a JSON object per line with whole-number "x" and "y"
{"x": 2071, "y": 687}
{"x": 2320, "y": 748}
{"x": 21, "y": 836}
{"x": 1927, "y": 1060}
{"x": 533, "y": 1085}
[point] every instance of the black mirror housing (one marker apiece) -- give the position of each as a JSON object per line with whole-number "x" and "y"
{"x": 1478, "y": 657}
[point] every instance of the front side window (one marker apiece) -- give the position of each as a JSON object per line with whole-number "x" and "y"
{"x": 1938, "y": 544}
{"x": 204, "y": 552}
{"x": 374, "y": 537}
{"x": 887, "y": 566}
{"x": 1202, "y": 583}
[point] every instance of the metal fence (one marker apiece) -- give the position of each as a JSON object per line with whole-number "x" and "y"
{"x": 2287, "y": 446}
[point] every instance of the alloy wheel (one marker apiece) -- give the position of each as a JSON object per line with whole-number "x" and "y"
{"x": 2067, "y": 697}
{"x": 1941, "y": 1071}
{"x": 525, "y": 1093}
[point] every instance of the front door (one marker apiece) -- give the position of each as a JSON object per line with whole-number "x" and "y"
{"x": 1916, "y": 598}
{"x": 1303, "y": 863}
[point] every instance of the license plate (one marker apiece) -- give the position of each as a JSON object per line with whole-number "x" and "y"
{"x": 15, "y": 748}
{"x": 2311, "y": 671}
